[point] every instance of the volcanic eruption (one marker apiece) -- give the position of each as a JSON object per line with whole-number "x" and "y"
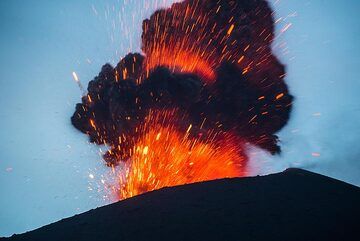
{"x": 206, "y": 84}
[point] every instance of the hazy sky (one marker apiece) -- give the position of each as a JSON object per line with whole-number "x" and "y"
{"x": 45, "y": 164}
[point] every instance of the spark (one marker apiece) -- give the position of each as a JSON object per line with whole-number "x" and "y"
{"x": 279, "y": 96}
{"x": 77, "y": 80}
{"x": 75, "y": 77}
{"x": 230, "y": 29}
{"x": 286, "y": 27}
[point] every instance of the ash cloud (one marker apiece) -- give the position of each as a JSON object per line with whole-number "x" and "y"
{"x": 251, "y": 102}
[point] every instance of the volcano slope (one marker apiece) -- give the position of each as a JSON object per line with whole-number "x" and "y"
{"x": 292, "y": 205}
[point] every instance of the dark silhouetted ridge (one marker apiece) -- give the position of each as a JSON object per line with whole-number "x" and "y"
{"x": 292, "y": 205}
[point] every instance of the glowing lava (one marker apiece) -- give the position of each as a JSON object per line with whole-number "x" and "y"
{"x": 165, "y": 157}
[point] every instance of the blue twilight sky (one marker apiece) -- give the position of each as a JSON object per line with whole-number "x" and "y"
{"x": 46, "y": 166}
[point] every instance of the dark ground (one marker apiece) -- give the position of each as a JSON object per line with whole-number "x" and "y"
{"x": 293, "y": 205}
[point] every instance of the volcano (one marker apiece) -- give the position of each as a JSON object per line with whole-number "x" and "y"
{"x": 292, "y": 205}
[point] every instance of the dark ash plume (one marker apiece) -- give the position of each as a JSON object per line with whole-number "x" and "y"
{"x": 248, "y": 96}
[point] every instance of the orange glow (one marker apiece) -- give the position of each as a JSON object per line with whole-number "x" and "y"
{"x": 92, "y": 123}
{"x": 279, "y": 96}
{"x": 163, "y": 157}
{"x": 185, "y": 38}
{"x": 231, "y": 29}
{"x": 180, "y": 61}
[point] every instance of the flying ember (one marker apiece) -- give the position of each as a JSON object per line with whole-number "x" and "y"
{"x": 206, "y": 84}
{"x": 164, "y": 156}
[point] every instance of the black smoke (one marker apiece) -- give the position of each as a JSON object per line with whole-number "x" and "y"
{"x": 253, "y": 105}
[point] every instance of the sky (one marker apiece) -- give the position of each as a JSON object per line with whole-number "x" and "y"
{"x": 49, "y": 171}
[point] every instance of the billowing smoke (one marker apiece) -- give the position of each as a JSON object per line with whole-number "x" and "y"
{"x": 211, "y": 61}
